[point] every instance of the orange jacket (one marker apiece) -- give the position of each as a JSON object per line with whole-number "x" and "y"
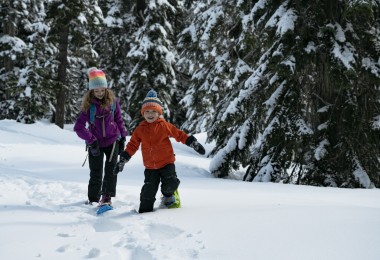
{"x": 156, "y": 148}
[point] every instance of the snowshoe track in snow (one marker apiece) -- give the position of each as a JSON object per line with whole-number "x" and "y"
{"x": 124, "y": 233}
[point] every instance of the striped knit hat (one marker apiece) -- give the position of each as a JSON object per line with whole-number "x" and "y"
{"x": 97, "y": 78}
{"x": 151, "y": 102}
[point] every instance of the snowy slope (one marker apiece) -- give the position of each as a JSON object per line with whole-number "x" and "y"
{"x": 43, "y": 216}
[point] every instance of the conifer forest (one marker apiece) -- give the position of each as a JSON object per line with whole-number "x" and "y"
{"x": 288, "y": 91}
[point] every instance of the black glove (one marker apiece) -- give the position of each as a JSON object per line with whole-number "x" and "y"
{"x": 121, "y": 145}
{"x": 193, "y": 143}
{"x": 94, "y": 148}
{"x": 119, "y": 167}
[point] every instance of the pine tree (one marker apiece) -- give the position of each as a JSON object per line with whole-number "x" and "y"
{"x": 36, "y": 100}
{"x": 153, "y": 56}
{"x": 47, "y": 72}
{"x": 113, "y": 47}
{"x": 307, "y": 113}
{"x": 219, "y": 60}
{"x": 204, "y": 47}
{"x": 303, "y": 90}
{"x": 347, "y": 139}
{"x": 13, "y": 52}
{"x": 71, "y": 22}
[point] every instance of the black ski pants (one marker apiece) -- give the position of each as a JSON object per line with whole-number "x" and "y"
{"x": 99, "y": 185}
{"x": 169, "y": 183}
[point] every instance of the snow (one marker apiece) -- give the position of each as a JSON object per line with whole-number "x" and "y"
{"x": 376, "y": 122}
{"x": 310, "y": 47}
{"x": 343, "y": 50}
{"x": 43, "y": 216}
{"x": 372, "y": 66}
{"x": 284, "y": 19}
{"x": 321, "y": 150}
{"x": 344, "y": 53}
{"x": 271, "y": 102}
{"x": 361, "y": 174}
{"x": 290, "y": 62}
{"x": 212, "y": 15}
{"x": 339, "y": 33}
{"x": 17, "y": 44}
{"x": 247, "y": 19}
{"x": 264, "y": 173}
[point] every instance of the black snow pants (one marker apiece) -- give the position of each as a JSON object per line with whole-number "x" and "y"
{"x": 169, "y": 183}
{"x": 99, "y": 185}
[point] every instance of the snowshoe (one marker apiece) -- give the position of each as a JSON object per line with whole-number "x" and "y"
{"x": 103, "y": 208}
{"x": 172, "y": 201}
{"x": 105, "y": 204}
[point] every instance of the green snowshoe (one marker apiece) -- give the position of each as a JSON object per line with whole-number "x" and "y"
{"x": 173, "y": 201}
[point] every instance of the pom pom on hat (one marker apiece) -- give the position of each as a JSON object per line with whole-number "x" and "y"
{"x": 97, "y": 78}
{"x": 151, "y": 102}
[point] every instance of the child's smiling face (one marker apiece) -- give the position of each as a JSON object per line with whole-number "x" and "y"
{"x": 151, "y": 115}
{"x": 99, "y": 93}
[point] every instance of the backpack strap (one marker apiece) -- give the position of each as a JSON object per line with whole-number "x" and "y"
{"x": 93, "y": 111}
{"x": 113, "y": 108}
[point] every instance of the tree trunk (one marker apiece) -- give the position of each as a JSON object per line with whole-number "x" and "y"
{"x": 62, "y": 67}
{"x": 9, "y": 26}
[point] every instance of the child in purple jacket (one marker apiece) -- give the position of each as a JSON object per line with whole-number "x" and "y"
{"x": 104, "y": 136}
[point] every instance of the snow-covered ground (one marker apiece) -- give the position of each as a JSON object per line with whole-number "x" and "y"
{"x": 43, "y": 187}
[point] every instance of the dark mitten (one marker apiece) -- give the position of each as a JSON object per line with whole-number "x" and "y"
{"x": 193, "y": 143}
{"x": 119, "y": 167}
{"x": 121, "y": 144}
{"x": 94, "y": 148}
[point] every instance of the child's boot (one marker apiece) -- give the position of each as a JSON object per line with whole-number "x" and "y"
{"x": 172, "y": 201}
{"x": 105, "y": 200}
{"x": 168, "y": 200}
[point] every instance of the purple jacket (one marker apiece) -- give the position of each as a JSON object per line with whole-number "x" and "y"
{"x": 107, "y": 128}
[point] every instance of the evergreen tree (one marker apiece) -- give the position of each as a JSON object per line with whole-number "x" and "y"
{"x": 307, "y": 113}
{"x": 217, "y": 69}
{"x": 153, "y": 56}
{"x": 218, "y": 58}
{"x": 36, "y": 100}
{"x": 346, "y": 148}
{"x": 114, "y": 44}
{"x": 71, "y": 22}
{"x": 47, "y": 59}
{"x": 13, "y": 52}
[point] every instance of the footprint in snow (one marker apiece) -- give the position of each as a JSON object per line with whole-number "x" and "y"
{"x": 64, "y": 235}
{"x": 162, "y": 231}
{"x": 63, "y": 248}
{"x": 94, "y": 252}
{"x": 101, "y": 226}
{"x": 141, "y": 254}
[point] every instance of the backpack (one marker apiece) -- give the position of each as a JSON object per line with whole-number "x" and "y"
{"x": 93, "y": 111}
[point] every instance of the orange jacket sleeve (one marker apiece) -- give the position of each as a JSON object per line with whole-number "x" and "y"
{"x": 178, "y": 135}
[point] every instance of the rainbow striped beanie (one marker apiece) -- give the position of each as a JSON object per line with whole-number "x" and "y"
{"x": 151, "y": 102}
{"x": 97, "y": 78}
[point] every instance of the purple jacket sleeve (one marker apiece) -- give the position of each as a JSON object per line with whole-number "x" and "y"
{"x": 119, "y": 120}
{"x": 81, "y": 130}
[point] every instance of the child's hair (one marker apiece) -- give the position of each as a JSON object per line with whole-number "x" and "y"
{"x": 108, "y": 99}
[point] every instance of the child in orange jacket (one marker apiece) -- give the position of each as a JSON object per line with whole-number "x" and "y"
{"x": 158, "y": 156}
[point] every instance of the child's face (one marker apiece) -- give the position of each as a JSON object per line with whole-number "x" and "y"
{"x": 151, "y": 115}
{"x": 99, "y": 93}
